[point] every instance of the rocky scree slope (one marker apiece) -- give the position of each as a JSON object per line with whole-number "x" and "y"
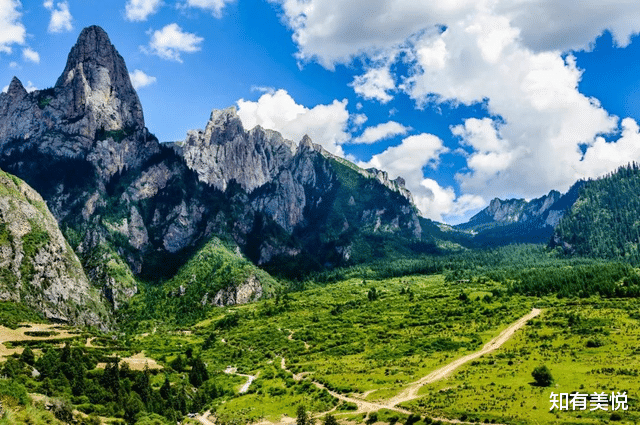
{"x": 37, "y": 266}
{"x": 133, "y": 207}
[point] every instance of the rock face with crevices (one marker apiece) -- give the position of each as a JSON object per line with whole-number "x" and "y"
{"x": 37, "y": 265}
{"x": 92, "y": 112}
{"x": 133, "y": 207}
{"x": 250, "y": 290}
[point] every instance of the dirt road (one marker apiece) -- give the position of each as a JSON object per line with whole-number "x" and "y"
{"x": 411, "y": 392}
{"x": 245, "y": 387}
{"x": 204, "y": 418}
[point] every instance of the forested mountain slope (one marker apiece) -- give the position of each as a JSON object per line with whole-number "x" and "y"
{"x": 605, "y": 220}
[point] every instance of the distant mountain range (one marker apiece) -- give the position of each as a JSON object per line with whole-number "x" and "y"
{"x": 520, "y": 221}
{"x": 135, "y": 210}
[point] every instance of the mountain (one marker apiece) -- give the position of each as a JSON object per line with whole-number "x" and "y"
{"x": 604, "y": 222}
{"x": 37, "y": 266}
{"x": 135, "y": 209}
{"x": 520, "y": 221}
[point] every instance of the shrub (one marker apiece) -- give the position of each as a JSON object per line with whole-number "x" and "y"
{"x": 372, "y": 419}
{"x": 329, "y": 419}
{"x": 542, "y": 376}
{"x": 11, "y": 388}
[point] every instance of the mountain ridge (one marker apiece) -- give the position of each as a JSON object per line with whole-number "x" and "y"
{"x": 133, "y": 208}
{"x": 519, "y": 220}
{"x": 37, "y": 266}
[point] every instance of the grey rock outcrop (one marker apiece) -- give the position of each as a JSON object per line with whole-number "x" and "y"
{"x": 249, "y": 290}
{"x": 259, "y": 159}
{"x": 37, "y": 265}
{"x": 93, "y": 111}
{"x": 224, "y": 152}
{"x": 97, "y": 89}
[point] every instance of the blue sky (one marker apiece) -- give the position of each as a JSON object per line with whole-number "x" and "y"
{"x": 466, "y": 100}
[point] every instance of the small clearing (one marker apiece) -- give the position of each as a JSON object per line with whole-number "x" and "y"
{"x": 19, "y": 334}
{"x": 136, "y": 362}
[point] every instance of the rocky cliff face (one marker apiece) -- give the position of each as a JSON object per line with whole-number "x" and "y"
{"x": 132, "y": 206}
{"x": 224, "y": 151}
{"x": 37, "y": 265}
{"x": 301, "y": 187}
{"x": 92, "y": 113}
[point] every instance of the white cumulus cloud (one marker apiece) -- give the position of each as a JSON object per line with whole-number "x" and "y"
{"x": 169, "y": 42}
{"x": 139, "y": 79}
{"x": 325, "y": 124}
{"x": 534, "y": 145}
{"x": 381, "y": 132}
{"x": 358, "y": 120}
{"x": 407, "y": 160}
{"x": 512, "y": 56}
{"x": 334, "y": 32}
{"x": 12, "y": 30}
{"x": 61, "y": 19}
{"x": 375, "y": 84}
{"x": 213, "y": 6}
{"x": 140, "y": 10}
{"x": 30, "y": 55}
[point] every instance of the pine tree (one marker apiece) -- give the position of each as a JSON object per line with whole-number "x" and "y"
{"x": 198, "y": 373}
{"x": 27, "y": 356}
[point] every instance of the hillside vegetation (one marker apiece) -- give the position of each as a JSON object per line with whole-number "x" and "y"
{"x": 605, "y": 220}
{"x": 214, "y": 276}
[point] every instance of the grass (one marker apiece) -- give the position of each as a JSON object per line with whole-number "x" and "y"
{"x": 336, "y": 336}
{"x": 355, "y": 345}
{"x": 499, "y": 387}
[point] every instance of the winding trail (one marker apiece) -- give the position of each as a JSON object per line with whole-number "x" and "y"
{"x": 290, "y": 338}
{"x": 411, "y": 392}
{"x": 245, "y": 387}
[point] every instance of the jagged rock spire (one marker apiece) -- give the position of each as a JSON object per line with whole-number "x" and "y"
{"x": 99, "y": 80}
{"x": 16, "y": 89}
{"x": 224, "y": 125}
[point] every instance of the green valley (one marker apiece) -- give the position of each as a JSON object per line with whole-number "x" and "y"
{"x": 239, "y": 276}
{"x": 362, "y": 349}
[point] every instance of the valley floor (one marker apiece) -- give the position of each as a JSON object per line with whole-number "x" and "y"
{"x": 418, "y": 348}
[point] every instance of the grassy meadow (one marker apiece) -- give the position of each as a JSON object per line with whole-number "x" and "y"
{"x": 367, "y": 340}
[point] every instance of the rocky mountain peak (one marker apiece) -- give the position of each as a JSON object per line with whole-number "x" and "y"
{"x": 224, "y": 125}
{"x": 16, "y": 89}
{"x": 99, "y": 82}
{"x": 306, "y": 142}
